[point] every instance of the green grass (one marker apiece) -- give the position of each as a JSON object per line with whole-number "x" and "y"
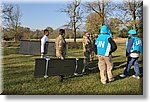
{"x": 19, "y": 69}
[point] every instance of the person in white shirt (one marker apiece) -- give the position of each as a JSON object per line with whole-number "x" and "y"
{"x": 44, "y": 43}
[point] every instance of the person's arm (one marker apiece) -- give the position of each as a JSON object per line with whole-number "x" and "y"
{"x": 60, "y": 44}
{"x": 95, "y": 47}
{"x": 113, "y": 45}
{"x": 129, "y": 46}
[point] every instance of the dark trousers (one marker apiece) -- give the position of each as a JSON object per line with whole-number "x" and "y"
{"x": 132, "y": 61}
{"x": 61, "y": 78}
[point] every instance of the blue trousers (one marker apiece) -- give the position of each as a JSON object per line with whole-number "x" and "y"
{"x": 132, "y": 61}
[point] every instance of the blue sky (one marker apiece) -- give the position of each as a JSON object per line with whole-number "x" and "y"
{"x": 37, "y": 14}
{"x": 42, "y": 15}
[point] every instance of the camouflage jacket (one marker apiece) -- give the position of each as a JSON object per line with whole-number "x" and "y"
{"x": 87, "y": 44}
{"x": 60, "y": 43}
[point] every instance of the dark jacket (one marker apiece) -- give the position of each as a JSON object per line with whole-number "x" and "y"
{"x": 113, "y": 45}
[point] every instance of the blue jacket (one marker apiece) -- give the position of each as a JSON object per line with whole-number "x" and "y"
{"x": 105, "y": 45}
{"x": 133, "y": 44}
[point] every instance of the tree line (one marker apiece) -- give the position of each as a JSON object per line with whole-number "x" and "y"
{"x": 118, "y": 16}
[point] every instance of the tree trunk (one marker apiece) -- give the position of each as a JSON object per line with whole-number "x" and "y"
{"x": 134, "y": 16}
{"x": 75, "y": 36}
{"x": 74, "y": 21}
{"x": 133, "y": 13}
{"x": 103, "y": 14}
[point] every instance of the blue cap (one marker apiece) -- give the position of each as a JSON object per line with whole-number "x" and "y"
{"x": 104, "y": 29}
{"x": 132, "y": 32}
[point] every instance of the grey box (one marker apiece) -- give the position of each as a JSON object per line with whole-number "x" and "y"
{"x": 55, "y": 66}
{"x": 33, "y": 47}
{"x": 61, "y": 67}
{"x": 40, "y": 67}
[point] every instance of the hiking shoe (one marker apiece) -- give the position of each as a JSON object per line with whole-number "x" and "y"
{"x": 61, "y": 80}
{"x": 112, "y": 80}
{"x": 137, "y": 77}
{"x": 103, "y": 82}
{"x": 75, "y": 74}
{"x": 45, "y": 76}
{"x": 122, "y": 76}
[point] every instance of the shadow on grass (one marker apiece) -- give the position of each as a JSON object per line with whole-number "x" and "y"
{"x": 87, "y": 73}
{"x": 117, "y": 65}
{"x": 131, "y": 72}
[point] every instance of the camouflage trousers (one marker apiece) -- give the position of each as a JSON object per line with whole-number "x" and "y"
{"x": 105, "y": 68}
{"x": 60, "y": 54}
{"x": 86, "y": 59}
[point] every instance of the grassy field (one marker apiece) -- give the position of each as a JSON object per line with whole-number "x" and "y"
{"x": 19, "y": 79}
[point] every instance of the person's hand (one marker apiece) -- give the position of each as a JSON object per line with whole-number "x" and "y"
{"x": 42, "y": 55}
{"x": 97, "y": 56}
{"x": 62, "y": 58}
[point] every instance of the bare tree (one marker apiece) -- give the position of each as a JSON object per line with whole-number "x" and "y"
{"x": 101, "y": 7}
{"x": 75, "y": 14}
{"x": 93, "y": 23}
{"x": 11, "y": 18}
{"x": 132, "y": 10}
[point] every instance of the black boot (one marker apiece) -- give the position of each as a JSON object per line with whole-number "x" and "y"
{"x": 61, "y": 78}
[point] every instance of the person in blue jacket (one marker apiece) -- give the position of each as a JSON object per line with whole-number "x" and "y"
{"x": 105, "y": 46}
{"x": 133, "y": 50}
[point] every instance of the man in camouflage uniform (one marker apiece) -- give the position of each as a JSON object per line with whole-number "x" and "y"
{"x": 94, "y": 49}
{"x": 60, "y": 45}
{"x": 87, "y": 48}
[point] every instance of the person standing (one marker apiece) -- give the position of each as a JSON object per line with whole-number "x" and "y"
{"x": 87, "y": 48}
{"x": 133, "y": 50}
{"x": 94, "y": 46}
{"x": 93, "y": 39}
{"x": 105, "y": 46}
{"x": 44, "y": 43}
{"x": 60, "y": 45}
